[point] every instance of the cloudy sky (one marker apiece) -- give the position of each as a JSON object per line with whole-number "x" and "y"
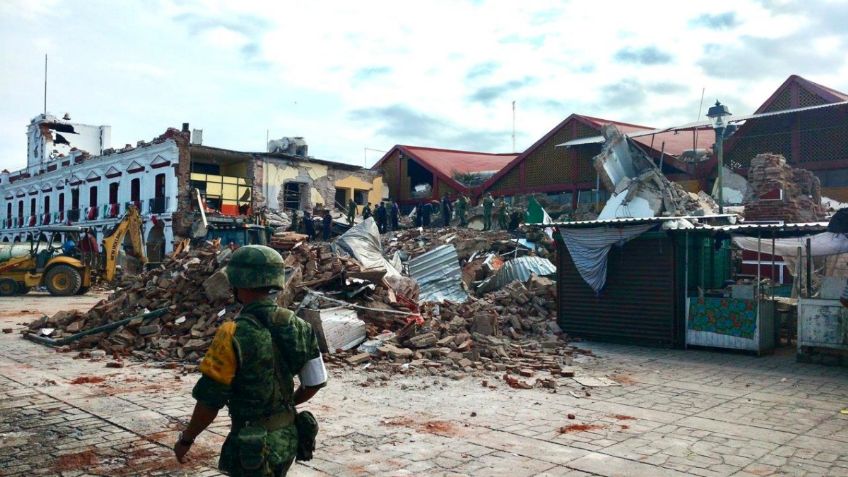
{"x": 350, "y": 75}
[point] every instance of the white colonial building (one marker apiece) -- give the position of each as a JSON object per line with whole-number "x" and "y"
{"x": 74, "y": 177}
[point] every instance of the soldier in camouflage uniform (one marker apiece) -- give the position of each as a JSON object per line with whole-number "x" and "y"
{"x": 503, "y": 210}
{"x": 250, "y": 367}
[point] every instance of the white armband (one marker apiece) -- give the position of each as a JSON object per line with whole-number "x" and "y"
{"x": 313, "y": 373}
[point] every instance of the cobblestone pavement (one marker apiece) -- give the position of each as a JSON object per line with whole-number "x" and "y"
{"x": 673, "y": 413}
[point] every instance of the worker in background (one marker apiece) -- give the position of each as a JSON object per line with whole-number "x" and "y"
{"x": 461, "y": 208}
{"x": 382, "y": 218}
{"x": 426, "y": 211}
{"x": 351, "y": 211}
{"x": 294, "y": 223}
{"x": 488, "y": 202}
{"x": 395, "y": 216}
{"x": 250, "y": 368}
{"x": 419, "y": 213}
{"x": 308, "y": 224}
{"x": 327, "y": 224}
{"x": 88, "y": 248}
{"x": 447, "y": 210}
{"x": 69, "y": 246}
{"x": 502, "y": 213}
{"x": 366, "y": 211}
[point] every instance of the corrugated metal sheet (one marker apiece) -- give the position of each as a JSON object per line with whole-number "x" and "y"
{"x": 638, "y": 303}
{"x": 439, "y": 275}
{"x": 518, "y": 269}
{"x": 800, "y": 227}
{"x": 635, "y": 220}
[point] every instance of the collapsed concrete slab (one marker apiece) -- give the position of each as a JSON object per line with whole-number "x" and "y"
{"x": 638, "y": 187}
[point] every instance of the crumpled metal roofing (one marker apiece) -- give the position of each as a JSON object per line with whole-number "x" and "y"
{"x": 438, "y": 275}
{"x": 518, "y": 269}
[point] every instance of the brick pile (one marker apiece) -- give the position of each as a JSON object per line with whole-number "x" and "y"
{"x": 769, "y": 177}
{"x": 512, "y": 330}
{"x": 187, "y": 286}
{"x": 193, "y": 289}
{"x": 414, "y": 242}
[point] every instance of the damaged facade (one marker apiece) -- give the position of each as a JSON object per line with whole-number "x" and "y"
{"x": 74, "y": 176}
{"x": 67, "y": 184}
{"x": 815, "y": 138}
{"x": 286, "y": 182}
{"x": 568, "y": 175}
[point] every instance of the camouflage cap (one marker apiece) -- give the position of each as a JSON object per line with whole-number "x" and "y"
{"x": 256, "y": 266}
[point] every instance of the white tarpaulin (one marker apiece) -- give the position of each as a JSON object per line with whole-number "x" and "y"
{"x": 590, "y": 247}
{"x": 822, "y": 244}
{"x": 362, "y": 242}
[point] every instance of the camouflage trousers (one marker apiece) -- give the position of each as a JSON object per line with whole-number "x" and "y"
{"x": 282, "y": 449}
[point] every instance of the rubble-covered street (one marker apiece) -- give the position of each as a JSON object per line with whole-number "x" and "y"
{"x": 638, "y": 411}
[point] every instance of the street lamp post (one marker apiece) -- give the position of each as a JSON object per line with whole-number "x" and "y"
{"x": 717, "y": 113}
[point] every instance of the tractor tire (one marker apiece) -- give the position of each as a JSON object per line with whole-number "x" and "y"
{"x": 83, "y": 290}
{"x": 63, "y": 280}
{"x": 8, "y": 287}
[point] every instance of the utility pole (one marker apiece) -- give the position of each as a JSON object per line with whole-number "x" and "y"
{"x": 513, "y": 126}
{"x": 365, "y": 154}
{"x": 45, "y": 85}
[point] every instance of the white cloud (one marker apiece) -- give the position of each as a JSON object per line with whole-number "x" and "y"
{"x": 238, "y": 68}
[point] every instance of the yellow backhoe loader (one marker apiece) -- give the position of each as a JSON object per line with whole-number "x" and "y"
{"x": 69, "y": 267}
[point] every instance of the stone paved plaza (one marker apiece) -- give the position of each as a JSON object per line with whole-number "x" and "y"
{"x": 671, "y": 412}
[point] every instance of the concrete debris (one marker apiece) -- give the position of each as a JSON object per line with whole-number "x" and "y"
{"x": 781, "y": 192}
{"x": 638, "y": 187}
{"x": 735, "y": 188}
{"x": 280, "y": 221}
{"x": 282, "y": 241}
{"x": 337, "y": 329}
{"x": 376, "y": 320}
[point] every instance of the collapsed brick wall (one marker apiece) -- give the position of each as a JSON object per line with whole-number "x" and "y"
{"x": 801, "y": 192}
{"x": 182, "y": 218}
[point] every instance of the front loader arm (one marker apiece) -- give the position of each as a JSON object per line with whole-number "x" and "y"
{"x": 131, "y": 223}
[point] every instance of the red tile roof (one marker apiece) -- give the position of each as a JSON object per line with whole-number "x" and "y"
{"x": 448, "y": 161}
{"x": 445, "y": 162}
{"x": 678, "y": 142}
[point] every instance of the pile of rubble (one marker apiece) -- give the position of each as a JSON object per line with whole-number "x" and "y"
{"x": 511, "y": 330}
{"x": 414, "y": 242}
{"x": 189, "y": 294}
{"x": 781, "y": 192}
{"x": 171, "y": 313}
{"x": 637, "y": 186}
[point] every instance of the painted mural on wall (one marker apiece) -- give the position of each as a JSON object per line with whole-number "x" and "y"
{"x": 725, "y": 316}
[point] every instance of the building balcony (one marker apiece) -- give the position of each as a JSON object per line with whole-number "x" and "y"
{"x": 136, "y": 203}
{"x": 45, "y": 218}
{"x": 92, "y": 213}
{"x": 158, "y": 205}
{"x": 112, "y": 210}
{"x": 31, "y": 221}
{"x": 74, "y": 215}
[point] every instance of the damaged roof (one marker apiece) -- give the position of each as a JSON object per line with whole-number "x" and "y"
{"x": 675, "y": 144}
{"x": 446, "y": 162}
